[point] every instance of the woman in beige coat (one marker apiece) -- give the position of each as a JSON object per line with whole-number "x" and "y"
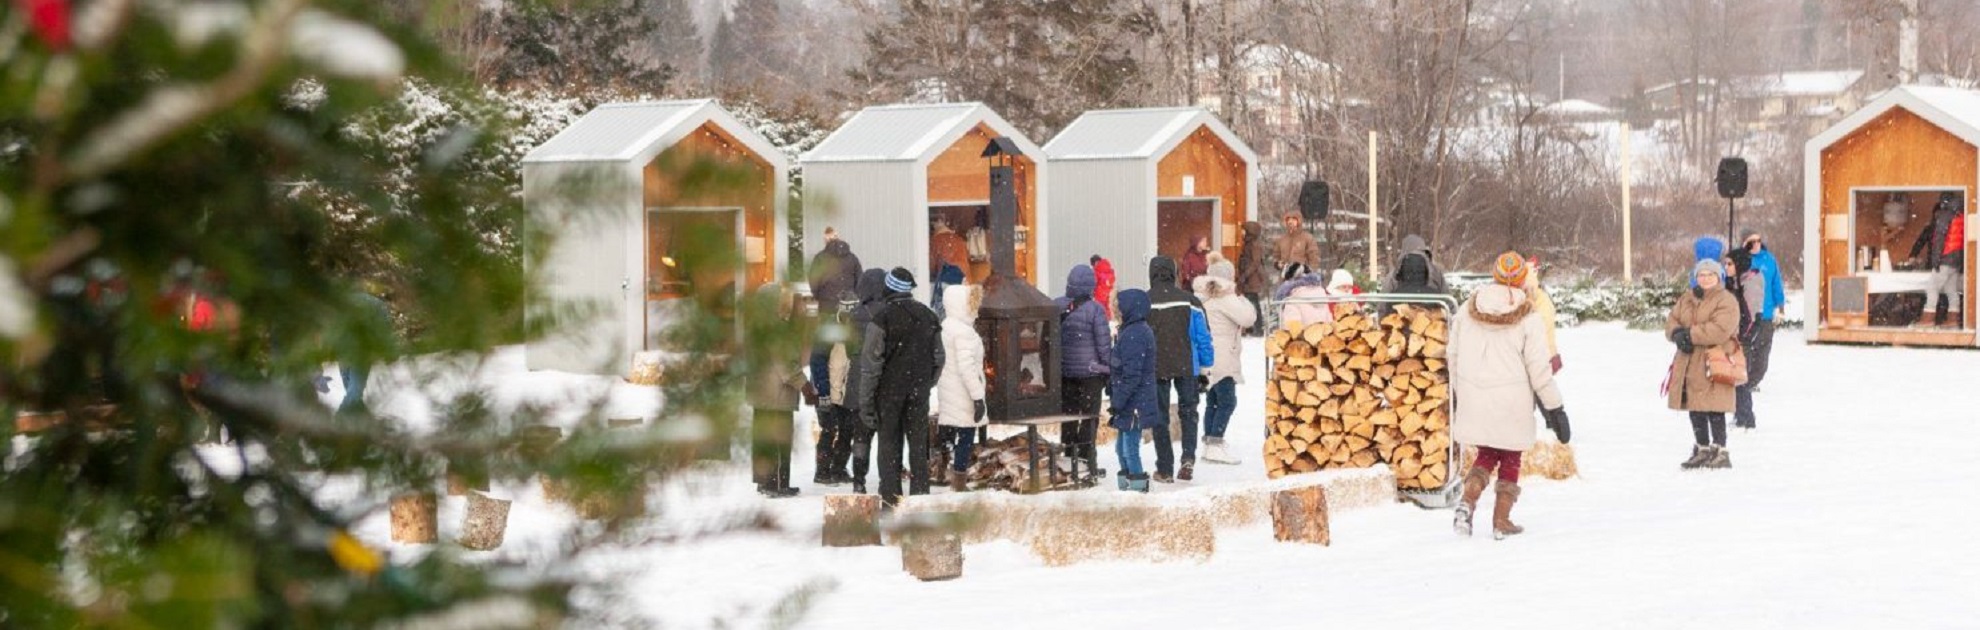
{"x": 1705, "y": 317}
{"x": 1499, "y": 365}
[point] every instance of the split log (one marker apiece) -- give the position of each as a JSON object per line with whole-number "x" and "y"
{"x": 1300, "y": 515}
{"x": 415, "y": 518}
{"x": 486, "y": 524}
{"x": 852, "y": 520}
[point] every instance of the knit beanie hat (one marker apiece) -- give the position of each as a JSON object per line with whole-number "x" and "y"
{"x": 1712, "y": 265}
{"x": 1510, "y": 270}
{"x": 1223, "y": 269}
{"x": 900, "y": 280}
{"x": 1340, "y": 280}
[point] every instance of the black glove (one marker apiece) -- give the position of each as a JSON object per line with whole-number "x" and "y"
{"x": 1202, "y": 383}
{"x": 1682, "y": 337}
{"x": 980, "y": 410}
{"x": 1557, "y": 420}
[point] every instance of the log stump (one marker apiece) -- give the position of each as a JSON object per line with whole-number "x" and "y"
{"x": 486, "y": 523}
{"x": 415, "y": 518}
{"x": 932, "y": 554}
{"x": 1300, "y": 515}
{"x": 538, "y": 440}
{"x": 852, "y": 520}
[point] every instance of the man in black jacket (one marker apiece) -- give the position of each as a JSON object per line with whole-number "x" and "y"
{"x": 900, "y": 360}
{"x": 1944, "y": 253}
{"x": 1181, "y": 346}
{"x": 855, "y": 438}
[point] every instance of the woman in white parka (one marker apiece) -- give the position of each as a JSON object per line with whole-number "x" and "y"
{"x": 1499, "y": 364}
{"x": 959, "y": 393}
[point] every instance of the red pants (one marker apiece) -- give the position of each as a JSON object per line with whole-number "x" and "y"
{"x": 1506, "y": 461}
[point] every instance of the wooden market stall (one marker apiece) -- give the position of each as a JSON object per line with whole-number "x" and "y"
{"x": 886, "y": 177}
{"x": 656, "y": 203}
{"x": 1872, "y": 182}
{"x": 1134, "y": 183}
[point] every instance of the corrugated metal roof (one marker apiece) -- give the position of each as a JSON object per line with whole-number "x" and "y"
{"x": 615, "y": 131}
{"x": 1120, "y": 133}
{"x": 892, "y": 133}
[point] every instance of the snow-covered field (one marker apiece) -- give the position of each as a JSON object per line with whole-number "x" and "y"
{"x": 1852, "y": 506}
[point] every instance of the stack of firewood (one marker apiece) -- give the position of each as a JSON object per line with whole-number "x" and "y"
{"x": 1358, "y": 391}
{"x": 1006, "y": 464}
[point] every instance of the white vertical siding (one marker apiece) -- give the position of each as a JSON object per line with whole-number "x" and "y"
{"x": 879, "y": 208}
{"x": 594, "y": 207}
{"x": 1104, "y": 207}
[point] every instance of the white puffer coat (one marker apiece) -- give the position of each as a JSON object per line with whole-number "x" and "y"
{"x": 1228, "y": 315}
{"x": 962, "y": 376}
{"x": 1499, "y": 364}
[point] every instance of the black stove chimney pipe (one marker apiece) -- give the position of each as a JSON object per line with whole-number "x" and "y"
{"x": 1003, "y": 153}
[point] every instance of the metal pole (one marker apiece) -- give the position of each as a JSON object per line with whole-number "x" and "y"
{"x": 1628, "y": 252}
{"x": 1374, "y": 206}
{"x": 1729, "y": 225}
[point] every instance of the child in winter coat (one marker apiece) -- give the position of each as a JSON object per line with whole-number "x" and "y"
{"x": 1498, "y": 362}
{"x": 1228, "y": 315}
{"x": 1704, "y": 318}
{"x": 1086, "y": 345}
{"x": 1103, "y": 287}
{"x": 1301, "y": 282}
{"x": 1131, "y": 388}
{"x": 959, "y": 393}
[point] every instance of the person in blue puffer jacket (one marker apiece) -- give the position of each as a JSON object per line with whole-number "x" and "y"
{"x": 1085, "y": 353}
{"x": 1131, "y": 388}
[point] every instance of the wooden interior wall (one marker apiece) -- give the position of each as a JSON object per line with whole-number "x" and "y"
{"x": 1219, "y": 173}
{"x": 961, "y": 174}
{"x": 751, "y": 186}
{"x": 1895, "y": 149}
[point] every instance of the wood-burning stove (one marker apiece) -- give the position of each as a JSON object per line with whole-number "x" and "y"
{"x": 1018, "y": 323}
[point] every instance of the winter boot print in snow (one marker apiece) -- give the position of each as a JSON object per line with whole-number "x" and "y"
{"x": 1699, "y": 454}
{"x": 1721, "y": 458}
{"x": 1502, "y": 525}
{"x": 1215, "y": 452}
{"x": 1474, "y": 485}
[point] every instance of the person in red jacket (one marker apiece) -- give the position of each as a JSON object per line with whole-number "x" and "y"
{"x": 1942, "y": 250}
{"x": 1103, "y": 289}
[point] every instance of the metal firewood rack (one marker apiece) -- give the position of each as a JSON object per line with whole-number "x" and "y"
{"x": 1436, "y": 498}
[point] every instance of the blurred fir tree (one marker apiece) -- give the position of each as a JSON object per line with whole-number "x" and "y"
{"x": 163, "y": 282}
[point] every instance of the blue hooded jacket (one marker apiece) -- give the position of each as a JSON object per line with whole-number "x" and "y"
{"x": 1770, "y": 270}
{"x": 1131, "y": 386}
{"x": 1085, "y": 341}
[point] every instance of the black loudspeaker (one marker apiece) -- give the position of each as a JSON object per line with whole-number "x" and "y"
{"x": 1313, "y": 200}
{"x": 1731, "y": 178}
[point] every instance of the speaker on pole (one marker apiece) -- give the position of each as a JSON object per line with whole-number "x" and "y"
{"x": 1313, "y": 201}
{"x": 1731, "y": 178}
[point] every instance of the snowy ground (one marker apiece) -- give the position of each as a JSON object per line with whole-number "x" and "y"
{"x": 1851, "y": 506}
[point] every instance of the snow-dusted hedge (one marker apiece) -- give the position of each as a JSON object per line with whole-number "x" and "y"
{"x": 1642, "y": 304}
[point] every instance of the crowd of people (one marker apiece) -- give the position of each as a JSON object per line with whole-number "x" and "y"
{"x": 1173, "y": 353}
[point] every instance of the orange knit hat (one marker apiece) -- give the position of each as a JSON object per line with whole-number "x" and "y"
{"x": 1510, "y": 270}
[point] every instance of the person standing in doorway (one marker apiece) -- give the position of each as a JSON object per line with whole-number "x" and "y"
{"x": 1498, "y": 357}
{"x": 1176, "y": 316}
{"x": 1705, "y": 317}
{"x": 1228, "y": 314}
{"x": 1195, "y": 261}
{"x": 1253, "y": 281}
{"x": 946, "y": 247}
{"x": 1085, "y": 354}
{"x": 899, "y": 361}
{"x": 1944, "y": 252}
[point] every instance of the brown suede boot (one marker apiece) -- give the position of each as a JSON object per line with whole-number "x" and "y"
{"x": 958, "y": 481}
{"x": 1474, "y": 485}
{"x": 1502, "y": 525}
